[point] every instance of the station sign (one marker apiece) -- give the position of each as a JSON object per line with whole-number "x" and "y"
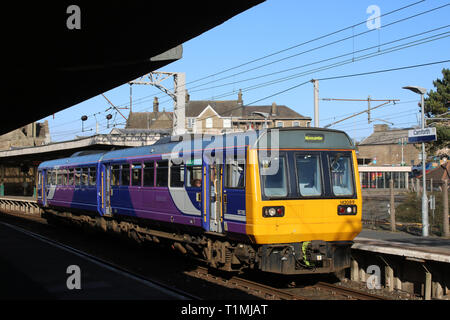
{"x": 422, "y": 135}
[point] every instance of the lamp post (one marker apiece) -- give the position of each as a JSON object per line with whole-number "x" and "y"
{"x": 425, "y": 225}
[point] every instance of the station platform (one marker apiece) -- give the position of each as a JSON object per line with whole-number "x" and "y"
{"x": 404, "y": 244}
{"x": 33, "y": 268}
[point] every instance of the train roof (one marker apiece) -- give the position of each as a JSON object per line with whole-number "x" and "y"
{"x": 73, "y": 161}
{"x": 303, "y": 138}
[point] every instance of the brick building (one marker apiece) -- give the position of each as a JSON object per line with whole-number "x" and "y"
{"x": 33, "y": 134}
{"x": 216, "y": 117}
{"x": 384, "y": 147}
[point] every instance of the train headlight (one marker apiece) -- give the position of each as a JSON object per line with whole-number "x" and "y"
{"x": 347, "y": 210}
{"x": 269, "y": 212}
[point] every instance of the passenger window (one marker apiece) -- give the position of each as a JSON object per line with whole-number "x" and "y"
{"x": 92, "y": 176}
{"x": 115, "y": 175}
{"x": 64, "y": 177}
{"x": 84, "y": 176}
{"x": 234, "y": 175}
{"x": 274, "y": 178}
{"x": 162, "y": 173}
{"x": 149, "y": 174}
{"x": 309, "y": 174}
{"x": 125, "y": 175}
{"x": 177, "y": 175}
{"x": 77, "y": 176}
{"x": 59, "y": 177}
{"x": 71, "y": 173}
{"x": 136, "y": 174}
{"x": 194, "y": 176}
{"x": 341, "y": 175}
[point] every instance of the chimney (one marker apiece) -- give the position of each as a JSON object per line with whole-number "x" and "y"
{"x": 155, "y": 105}
{"x": 274, "y": 110}
{"x": 380, "y": 128}
{"x": 240, "y": 101}
{"x": 187, "y": 96}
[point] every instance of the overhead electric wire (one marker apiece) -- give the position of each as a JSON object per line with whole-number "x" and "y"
{"x": 342, "y": 76}
{"x": 304, "y": 43}
{"x": 340, "y": 56}
{"x": 298, "y": 45}
{"x": 383, "y": 70}
{"x": 324, "y": 45}
{"x": 321, "y": 68}
{"x": 387, "y": 105}
{"x": 341, "y": 63}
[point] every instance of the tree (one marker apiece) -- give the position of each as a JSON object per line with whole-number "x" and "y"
{"x": 437, "y": 105}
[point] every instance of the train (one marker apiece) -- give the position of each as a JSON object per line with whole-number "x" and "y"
{"x": 279, "y": 200}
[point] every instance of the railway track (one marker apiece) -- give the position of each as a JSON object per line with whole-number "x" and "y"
{"x": 270, "y": 293}
{"x": 320, "y": 290}
{"x": 348, "y": 293}
{"x": 255, "y": 288}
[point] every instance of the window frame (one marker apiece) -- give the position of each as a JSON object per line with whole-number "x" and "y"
{"x": 225, "y": 174}
{"x": 182, "y": 174}
{"x": 188, "y": 177}
{"x": 208, "y": 123}
{"x": 156, "y": 173}
{"x": 144, "y": 166}
{"x": 348, "y": 155}
{"x": 132, "y": 167}
{"x": 322, "y": 178}
{"x": 94, "y": 182}
{"x": 285, "y": 156}
{"x": 122, "y": 176}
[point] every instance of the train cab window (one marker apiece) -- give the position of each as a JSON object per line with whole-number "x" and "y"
{"x": 136, "y": 169}
{"x": 309, "y": 177}
{"x": 274, "y": 177}
{"x": 115, "y": 175}
{"x": 70, "y": 178}
{"x": 194, "y": 176}
{"x": 177, "y": 175}
{"x": 162, "y": 173}
{"x": 149, "y": 174}
{"x": 125, "y": 175}
{"x": 234, "y": 175}
{"x": 341, "y": 175}
{"x": 92, "y": 176}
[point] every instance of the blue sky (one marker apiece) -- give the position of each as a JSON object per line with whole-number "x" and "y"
{"x": 279, "y": 24}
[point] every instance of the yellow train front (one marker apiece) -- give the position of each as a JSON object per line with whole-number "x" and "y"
{"x": 303, "y": 200}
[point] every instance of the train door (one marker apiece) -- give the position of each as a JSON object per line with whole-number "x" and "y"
{"x": 42, "y": 190}
{"x": 234, "y": 189}
{"x": 212, "y": 186}
{"x": 105, "y": 186}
